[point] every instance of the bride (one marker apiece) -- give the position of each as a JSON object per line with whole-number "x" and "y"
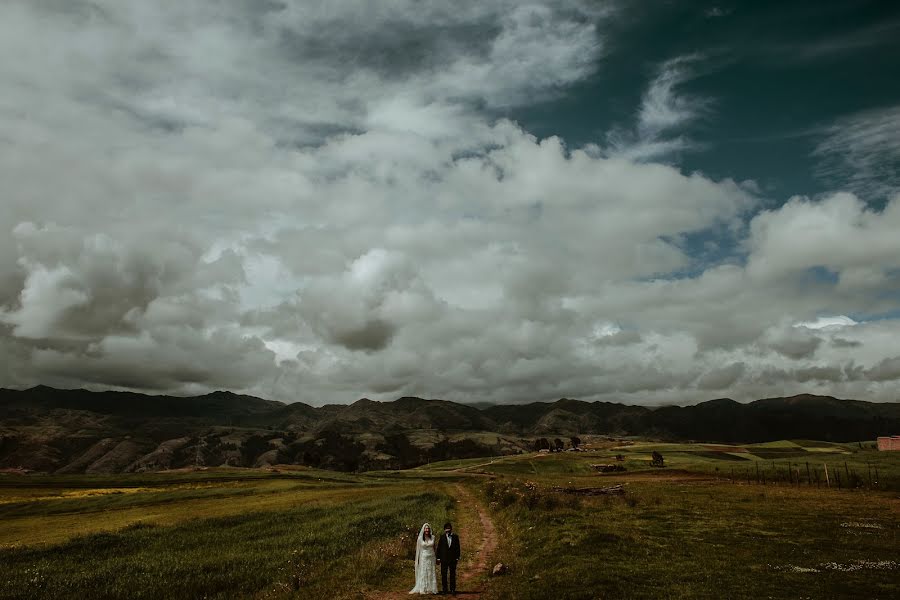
{"x": 426, "y": 578}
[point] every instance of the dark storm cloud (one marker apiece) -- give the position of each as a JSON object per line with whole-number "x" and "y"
{"x": 842, "y": 343}
{"x": 371, "y": 335}
{"x": 166, "y": 360}
{"x": 723, "y": 378}
{"x": 796, "y": 344}
{"x": 886, "y": 370}
{"x": 818, "y": 374}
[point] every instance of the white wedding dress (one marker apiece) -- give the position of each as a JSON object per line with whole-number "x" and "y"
{"x": 426, "y": 577}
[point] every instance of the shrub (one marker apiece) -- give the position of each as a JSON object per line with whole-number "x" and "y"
{"x": 548, "y": 502}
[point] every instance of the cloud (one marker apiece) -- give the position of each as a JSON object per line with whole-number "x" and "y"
{"x": 828, "y": 322}
{"x": 319, "y": 203}
{"x": 882, "y": 32}
{"x": 664, "y": 112}
{"x": 716, "y": 12}
{"x": 856, "y": 246}
{"x": 887, "y": 369}
{"x": 722, "y": 378}
{"x": 362, "y": 308}
{"x": 861, "y": 152}
{"x": 166, "y": 359}
{"x": 661, "y": 108}
{"x": 842, "y": 343}
{"x": 796, "y": 344}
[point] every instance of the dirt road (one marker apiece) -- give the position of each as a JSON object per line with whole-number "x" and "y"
{"x": 478, "y": 537}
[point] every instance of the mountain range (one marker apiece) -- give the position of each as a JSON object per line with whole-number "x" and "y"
{"x": 78, "y": 431}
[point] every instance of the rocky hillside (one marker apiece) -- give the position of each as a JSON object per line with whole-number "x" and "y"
{"x": 77, "y": 431}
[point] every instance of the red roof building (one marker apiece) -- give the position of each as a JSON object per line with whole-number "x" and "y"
{"x": 889, "y": 442}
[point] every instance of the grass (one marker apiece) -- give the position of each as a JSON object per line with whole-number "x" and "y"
{"x": 46, "y": 509}
{"x": 334, "y": 549}
{"x": 268, "y": 542}
{"x": 694, "y": 529}
{"x": 696, "y": 540}
{"x": 690, "y": 531}
{"x": 99, "y": 500}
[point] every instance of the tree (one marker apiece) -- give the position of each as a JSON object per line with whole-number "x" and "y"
{"x": 541, "y": 444}
{"x": 575, "y": 441}
{"x": 253, "y": 447}
{"x": 657, "y": 459}
{"x": 558, "y": 445}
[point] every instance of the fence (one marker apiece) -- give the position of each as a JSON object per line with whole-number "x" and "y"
{"x": 806, "y": 474}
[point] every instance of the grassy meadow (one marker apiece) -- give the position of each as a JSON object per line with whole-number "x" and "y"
{"x": 694, "y": 530}
{"x": 211, "y": 535}
{"x": 704, "y": 526}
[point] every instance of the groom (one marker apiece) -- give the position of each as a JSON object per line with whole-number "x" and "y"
{"x": 447, "y": 555}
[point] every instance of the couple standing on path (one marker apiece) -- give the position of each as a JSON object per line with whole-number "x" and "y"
{"x": 443, "y": 551}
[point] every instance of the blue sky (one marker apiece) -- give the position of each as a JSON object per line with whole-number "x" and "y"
{"x": 656, "y": 202}
{"x": 769, "y": 80}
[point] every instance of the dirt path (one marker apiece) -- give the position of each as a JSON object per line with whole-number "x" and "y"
{"x": 478, "y": 537}
{"x": 466, "y": 467}
{"x": 476, "y": 566}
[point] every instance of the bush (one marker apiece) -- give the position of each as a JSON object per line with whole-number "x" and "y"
{"x": 528, "y": 496}
{"x": 571, "y": 502}
{"x": 549, "y": 502}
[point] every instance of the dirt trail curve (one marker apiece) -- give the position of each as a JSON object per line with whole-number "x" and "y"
{"x": 474, "y": 567}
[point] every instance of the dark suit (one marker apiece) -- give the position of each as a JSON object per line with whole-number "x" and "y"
{"x": 448, "y": 554}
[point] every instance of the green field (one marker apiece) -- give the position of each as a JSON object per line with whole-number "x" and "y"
{"x": 704, "y": 526}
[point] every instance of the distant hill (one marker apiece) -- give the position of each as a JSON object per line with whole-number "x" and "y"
{"x": 797, "y": 417}
{"x": 78, "y": 431}
{"x": 567, "y": 416}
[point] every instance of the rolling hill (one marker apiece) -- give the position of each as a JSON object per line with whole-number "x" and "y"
{"x": 78, "y": 431}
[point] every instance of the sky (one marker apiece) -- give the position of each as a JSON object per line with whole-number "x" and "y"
{"x": 639, "y": 202}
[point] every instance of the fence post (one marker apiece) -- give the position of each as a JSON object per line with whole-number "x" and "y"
{"x": 827, "y": 481}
